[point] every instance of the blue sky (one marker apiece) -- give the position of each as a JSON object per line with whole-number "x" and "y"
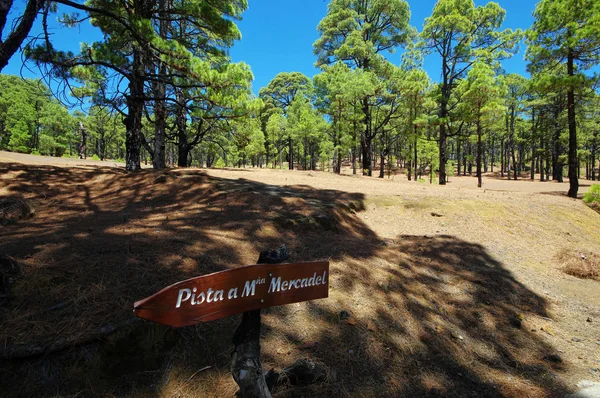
{"x": 277, "y": 36}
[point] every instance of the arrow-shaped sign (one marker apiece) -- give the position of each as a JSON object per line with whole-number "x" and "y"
{"x": 214, "y": 296}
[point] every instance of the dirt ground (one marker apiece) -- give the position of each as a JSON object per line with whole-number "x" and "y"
{"x": 457, "y": 291}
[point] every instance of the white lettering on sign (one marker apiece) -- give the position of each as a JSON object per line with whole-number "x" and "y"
{"x": 276, "y": 285}
{"x": 249, "y": 289}
{"x": 188, "y": 292}
{"x": 195, "y": 299}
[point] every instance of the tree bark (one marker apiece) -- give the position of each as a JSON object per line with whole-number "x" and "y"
{"x": 533, "y": 148}
{"x": 410, "y": 163}
{"x": 14, "y": 39}
{"x": 442, "y": 176}
{"x": 446, "y": 91}
{"x": 479, "y": 151}
{"x": 502, "y": 165}
{"x": 367, "y": 141}
{"x": 83, "y": 142}
{"x": 158, "y": 158}
{"x": 593, "y": 156}
{"x": 382, "y": 163}
{"x": 291, "y": 155}
{"x": 458, "y": 157}
{"x": 415, "y": 149}
{"x": 135, "y": 107}
{"x": 573, "y": 163}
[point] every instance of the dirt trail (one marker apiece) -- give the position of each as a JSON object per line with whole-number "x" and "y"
{"x": 523, "y": 224}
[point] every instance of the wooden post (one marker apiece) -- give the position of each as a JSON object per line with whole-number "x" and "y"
{"x": 243, "y": 290}
{"x": 246, "y": 366}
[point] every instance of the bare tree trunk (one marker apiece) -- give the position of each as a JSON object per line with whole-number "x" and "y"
{"x": 410, "y": 163}
{"x": 135, "y": 108}
{"x": 415, "y": 149}
{"x": 458, "y": 157}
{"x": 354, "y": 150}
{"x": 479, "y": 152}
{"x": 573, "y": 160}
{"x": 492, "y": 155}
{"x": 159, "y": 88}
{"x": 291, "y": 155}
{"x": 593, "y": 155}
{"x": 367, "y": 140}
{"x": 83, "y": 142}
{"x": 10, "y": 42}
{"x": 502, "y": 165}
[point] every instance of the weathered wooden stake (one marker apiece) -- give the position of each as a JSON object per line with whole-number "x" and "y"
{"x": 246, "y": 366}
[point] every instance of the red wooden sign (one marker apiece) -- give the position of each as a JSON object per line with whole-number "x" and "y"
{"x": 229, "y": 292}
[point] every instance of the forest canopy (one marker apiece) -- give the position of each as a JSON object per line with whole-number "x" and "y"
{"x": 161, "y": 89}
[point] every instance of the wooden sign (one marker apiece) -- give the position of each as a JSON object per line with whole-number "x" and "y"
{"x": 229, "y": 292}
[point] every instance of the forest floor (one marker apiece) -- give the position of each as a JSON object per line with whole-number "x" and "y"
{"x": 456, "y": 291}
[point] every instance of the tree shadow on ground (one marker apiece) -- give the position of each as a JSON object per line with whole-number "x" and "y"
{"x": 436, "y": 316}
{"x": 440, "y": 317}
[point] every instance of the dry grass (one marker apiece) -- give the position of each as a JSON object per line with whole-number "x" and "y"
{"x": 580, "y": 263}
{"x": 595, "y": 206}
{"x": 435, "y": 298}
{"x": 13, "y": 209}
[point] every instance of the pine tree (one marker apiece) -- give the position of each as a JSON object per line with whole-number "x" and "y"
{"x": 460, "y": 33}
{"x": 566, "y": 32}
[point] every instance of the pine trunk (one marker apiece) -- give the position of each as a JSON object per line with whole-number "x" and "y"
{"x": 479, "y": 152}
{"x": 573, "y": 161}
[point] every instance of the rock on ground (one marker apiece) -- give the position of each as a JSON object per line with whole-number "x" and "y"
{"x": 589, "y": 389}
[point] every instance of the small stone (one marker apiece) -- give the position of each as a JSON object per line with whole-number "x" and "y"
{"x": 161, "y": 179}
{"x": 576, "y": 340}
{"x": 516, "y": 322}
{"x": 553, "y": 358}
{"x": 344, "y": 315}
{"x": 350, "y": 351}
{"x": 587, "y": 384}
{"x": 548, "y": 330}
{"x": 589, "y": 319}
{"x": 351, "y": 321}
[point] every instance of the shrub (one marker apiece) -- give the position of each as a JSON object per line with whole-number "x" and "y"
{"x": 95, "y": 157}
{"x": 219, "y": 164}
{"x": 581, "y": 264}
{"x": 592, "y": 195}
